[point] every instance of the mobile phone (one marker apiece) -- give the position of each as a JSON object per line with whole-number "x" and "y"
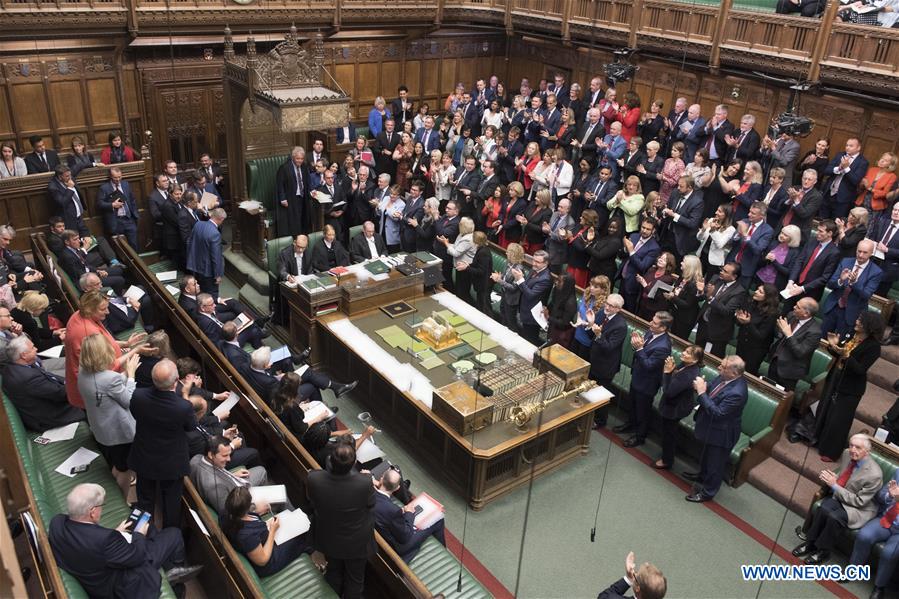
{"x": 138, "y": 518}
{"x": 79, "y": 469}
{"x": 418, "y": 510}
{"x": 42, "y": 440}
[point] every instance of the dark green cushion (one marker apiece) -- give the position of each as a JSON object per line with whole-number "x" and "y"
{"x": 438, "y": 569}
{"x": 273, "y": 247}
{"x": 261, "y": 174}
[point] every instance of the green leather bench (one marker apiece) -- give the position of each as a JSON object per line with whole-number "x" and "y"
{"x": 888, "y": 463}
{"x": 261, "y": 173}
{"x": 51, "y": 488}
{"x": 438, "y": 569}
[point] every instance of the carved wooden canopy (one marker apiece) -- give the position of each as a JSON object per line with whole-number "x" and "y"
{"x": 288, "y": 81}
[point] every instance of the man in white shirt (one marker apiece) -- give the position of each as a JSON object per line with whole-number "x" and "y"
{"x": 846, "y": 171}
{"x": 214, "y": 481}
{"x": 293, "y": 260}
{"x": 366, "y": 245}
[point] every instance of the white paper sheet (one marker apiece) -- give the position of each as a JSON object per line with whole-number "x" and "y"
{"x": 169, "y": 275}
{"x": 199, "y": 521}
{"x": 269, "y": 493}
{"x": 537, "y": 313}
{"x": 63, "y": 433}
{"x": 134, "y": 293}
{"x": 881, "y": 434}
{"x": 79, "y": 458}
{"x": 597, "y": 394}
{"x": 432, "y": 512}
{"x": 279, "y": 354}
{"x": 52, "y": 352}
{"x": 878, "y": 254}
{"x": 226, "y": 405}
{"x": 291, "y": 525}
{"x": 368, "y": 451}
{"x": 315, "y": 411}
{"x": 302, "y": 369}
{"x": 172, "y": 289}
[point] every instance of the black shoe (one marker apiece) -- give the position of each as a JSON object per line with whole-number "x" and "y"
{"x": 302, "y": 357}
{"x": 341, "y": 389}
{"x": 182, "y": 573}
{"x": 623, "y": 428}
{"x": 818, "y": 557}
{"x": 634, "y": 442}
{"x": 698, "y": 497}
{"x": 877, "y": 593}
{"x": 262, "y": 321}
{"x": 800, "y": 533}
{"x": 793, "y": 437}
{"x": 660, "y": 465}
{"x": 803, "y": 549}
{"x": 691, "y": 475}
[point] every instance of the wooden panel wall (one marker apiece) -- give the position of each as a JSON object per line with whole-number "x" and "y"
{"x": 63, "y": 95}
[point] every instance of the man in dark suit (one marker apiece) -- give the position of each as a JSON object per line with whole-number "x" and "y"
{"x": 744, "y": 142}
{"x": 264, "y": 382}
{"x": 73, "y": 260}
{"x": 293, "y": 210}
{"x": 647, "y": 582}
{"x": 214, "y": 173}
{"x": 334, "y": 212}
{"x": 362, "y": 190}
{"x": 559, "y": 88}
{"x": 471, "y": 114}
{"x": 845, "y": 172}
{"x": 170, "y": 239}
{"x": 587, "y": 134}
{"x": 598, "y": 194}
{"x": 428, "y": 136}
{"x": 507, "y": 153}
{"x": 347, "y": 133}
{"x": 395, "y": 523}
{"x": 715, "y": 133}
{"x": 211, "y": 325}
{"x": 550, "y": 121}
{"x": 119, "y": 209}
{"x": 209, "y": 426}
{"x": 793, "y": 348}
{"x": 68, "y": 200}
{"x": 724, "y": 296}
{"x": 447, "y": 227}
{"x": 467, "y": 183}
{"x": 558, "y": 231}
{"x": 608, "y": 332}
{"x": 852, "y": 284}
{"x": 155, "y": 201}
{"x": 414, "y": 208}
{"x": 682, "y": 218}
{"x": 40, "y": 160}
{"x": 721, "y": 404}
{"x": 383, "y": 147}
{"x": 366, "y": 245}
{"x": 188, "y": 217}
{"x": 750, "y": 242}
{"x": 159, "y": 454}
{"x": 317, "y": 153}
{"x": 39, "y": 396}
{"x": 534, "y": 289}
{"x": 676, "y": 117}
{"x": 802, "y": 205}
{"x": 103, "y": 561}
{"x": 814, "y": 267}
{"x": 691, "y": 132}
{"x": 204, "y": 252}
{"x": 225, "y": 308}
{"x": 886, "y": 256}
{"x": 650, "y": 351}
{"x": 294, "y": 259}
{"x": 402, "y": 108}
{"x": 782, "y": 152}
{"x": 96, "y": 259}
{"x": 343, "y": 527}
{"x": 641, "y": 249}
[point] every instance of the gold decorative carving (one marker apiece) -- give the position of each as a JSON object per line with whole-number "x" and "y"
{"x": 312, "y": 118}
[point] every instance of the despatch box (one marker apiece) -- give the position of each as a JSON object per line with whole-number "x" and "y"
{"x": 568, "y": 366}
{"x": 462, "y": 408}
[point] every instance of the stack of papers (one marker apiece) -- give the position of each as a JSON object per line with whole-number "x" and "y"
{"x": 315, "y": 410}
{"x": 63, "y": 433}
{"x": 291, "y": 525}
{"x": 81, "y": 457}
{"x": 432, "y": 511}
{"x": 226, "y": 405}
{"x": 368, "y": 451}
{"x": 134, "y": 293}
{"x": 169, "y": 275}
{"x": 271, "y": 494}
{"x": 282, "y": 353}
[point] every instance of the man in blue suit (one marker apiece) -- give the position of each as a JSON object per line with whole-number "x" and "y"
{"x": 846, "y": 171}
{"x": 534, "y": 289}
{"x": 611, "y": 148}
{"x": 884, "y": 234}
{"x": 598, "y": 193}
{"x": 103, "y": 561}
{"x": 396, "y": 524}
{"x": 691, "y": 132}
{"x": 882, "y": 528}
{"x": 642, "y": 249}
{"x": 650, "y": 351}
{"x": 428, "y": 136}
{"x": 852, "y": 285}
{"x": 721, "y": 404}
{"x": 347, "y": 133}
{"x": 551, "y": 121}
{"x": 682, "y": 218}
{"x": 750, "y": 242}
{"x": 608, "y": 332}
{"x": 212, "y": 325}
{"x": 116, "y": 202}
{"x": 204, "y": 252}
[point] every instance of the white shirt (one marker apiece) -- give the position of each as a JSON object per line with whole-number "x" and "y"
{"x": 372, "y": 248}
{"x": 299, "y": 259}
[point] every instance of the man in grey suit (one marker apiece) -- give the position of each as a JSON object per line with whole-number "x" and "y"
{"x": 850, "y": 504}
{"x": 782, "y": 152}
{"x": 210, "y": 476}
{"x": 791, "y": 353}
{"x": 558, "y": 231}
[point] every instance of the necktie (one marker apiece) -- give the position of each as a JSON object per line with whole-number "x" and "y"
{"x": 888, "y": 236}
{"x": 835, "y": 184}
{"x": 210, "y": 174}
{"x": 717, "y": 389}
{"x": 789, "y": 216}
{"x": 424, "y": 141}
{"x": 299, "y": 175}
{"x": 79, "y": 209}
{"x": 680, "y": 204}
{"x": 215, "y": 320}
{"x": 587, "y": 135}
{"x": 890, "y": 516}
{"x": 808, "y": 264}
{"x": 44, "y": 160}
{"x": 844, "y": 298}
{"x": 746, "y": 239}
{"x": 845, "y": 474}
{"x": 718, "y": 292}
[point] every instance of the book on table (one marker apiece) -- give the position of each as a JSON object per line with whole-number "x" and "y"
{"x": 243, "y": 321}
{"x": 432, "y": 511}
{"x": 377, "y": 267}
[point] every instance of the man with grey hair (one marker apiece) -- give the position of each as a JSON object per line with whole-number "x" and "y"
{"x": 204, "y": 252}
{"x": 534, "y": 288}
{"x": 311, "y": 382}
{"x": 849, "y": 505}
{"x": 396, "y": 524}
{"x": 721, "y": 404}
{"x": 115, "y": 202}
{"x": 360, "y": 193}
{"x": 292, "y": 210}
{"x": 103, "y": 561}
{"x": 744, "y": 142}
{"x": 126, "y": 309}
{"x": 211, "y": 325}
{"x": 366, "y": 244}
{"x": 159, "y": 453}
{"x": 39, "y": 395}
{"x": 608, "y": 330}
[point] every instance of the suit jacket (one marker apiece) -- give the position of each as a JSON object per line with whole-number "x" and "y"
{"x": 62, "y": 197}
{"x": 785, "y": 155}
{"x": 433, "y": 140}
{"x": 155, "y": 201}
{"x": 721, "y": 147}
{"x": 466, "y": 180}
{"x": 692, "y": 139}
{"x": 343, "y": 526}
{"x": 318, "y": 260}
{"x": 204, "y": 250}
{"x": 754, "y": 251}
{"x": 718, "y": 416}
{"x": 688, "y": 222}
{"x": 159, "y": 450}
{"x": 890, "y": 263}
{"x": 820, "y": 271}
{"x": 483, "y": 190}
{"x": 588, "y": 148}
{"x": 72, "y": 265}
{"x": 214, "y": 484}
{"x": 359, "y": 250}
{"x": 617, "y": 591}
{"x": 412, "y": 209}
{"x": 506, "y": 164}
{"x": 105, "y": 196}
{"x": 748, "y": 149}
{"x": 677, "y": 392}
{"x": 287, "y": 262}
{"x": 637, "y": 263}
{"x": 720, "y": 312}
{"x": 352, "y": 131}
{"x": 534, "y": 288}
{"x": 396, "y": 525}
{"x": 860, "y": 292}
{"x": 358, "y": 207}
{"x": 39, "y": 397}
{"x": 237, "y": 356}
{"x": 848, "y": 189}
{"x": 617, "y": 147}
{"x": 383, "y": 141}
{"x": 102, "y": 560}
{"x": 857, "y": 497}
{"x": 286, "y": 181}
{"x": 646, "y": 369}
{"x": 804, "y": 212}
{"x": 262, "y": 382}
{"x": 556, "y": 246}
{"x": 187, "y": 220}
{"x": 170, "y": 214}
{"x": 445, "y": 227}
{"x": 120, "y": 320}
{"x": 34, "y": 164}
{"x": 794, "y": 353}
{"x": 605, "y": 351}
{"x": 776, "y": 207}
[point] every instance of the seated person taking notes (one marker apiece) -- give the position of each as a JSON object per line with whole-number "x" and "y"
{"x": 395, "y": 523}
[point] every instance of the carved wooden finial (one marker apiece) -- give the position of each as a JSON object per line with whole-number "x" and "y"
{"x": 229, "y": 44}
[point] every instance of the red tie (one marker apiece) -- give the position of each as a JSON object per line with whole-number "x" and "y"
{"x": 890, "y": 516}
{"x": 844, "y": 476}
{"x": 844, "y": 298}
{"x": 808, "y": 265}
{"x": 717, "y": 388}
{"x": 746, "y": 239}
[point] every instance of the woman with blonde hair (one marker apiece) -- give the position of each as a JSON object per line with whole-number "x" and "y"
{"x": 715, "y": 237}
{"x": 853, "y": 230}
{"x": 108, "y": 401}
{"x": 749, "y": 190}
{"x": 781, "y": 256}
{"x": 158, "y": 347}
{"x": 877, "y": 189}
{"x": 442, "y": 177}
{"x": 80, "y": 158}
{"x": 513, "y": 206}
{"x": 629, "y": 202}
{"x": 686, "y": 295}
{"x": 591, "y": 302}
{"x": 462, "y": 252}
{"x": 31, "y": 312}
{"x": 510, "y": 293}
{"x": 377, "y": 116}
{"x": 535, "y": 215}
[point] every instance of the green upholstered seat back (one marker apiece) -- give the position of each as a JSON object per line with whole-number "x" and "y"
{"x": 261, "y": 173}
{"x": 273, "y": 247}
{"x": 364, "y": 132}
{"x": 758, "y": 413}
{"x": 821, "y": 361}
{"x": 355, "y": 231}
{"x": 314, "y": 238}
{"x": 887, "y": 465}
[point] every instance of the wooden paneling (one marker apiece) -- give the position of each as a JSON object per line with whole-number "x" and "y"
{"x": 430, "y": 78}
{"x": 390, "y": 72}
{"x": 67, "y": 104}
{"x": 102, "y": 95}
{"x": 447, "y": 76}
{"x": 29, "y": 104}
{"x": 369, "y": 82}
{"x": 412, "y": 80}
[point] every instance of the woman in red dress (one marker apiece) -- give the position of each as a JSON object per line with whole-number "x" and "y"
{"x": 629, "y": 115}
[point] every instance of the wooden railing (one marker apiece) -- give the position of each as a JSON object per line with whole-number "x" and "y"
{"x": 868, "y": 49}
{"x": 791, "y": 37}
{"x": 693, "y": 23}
